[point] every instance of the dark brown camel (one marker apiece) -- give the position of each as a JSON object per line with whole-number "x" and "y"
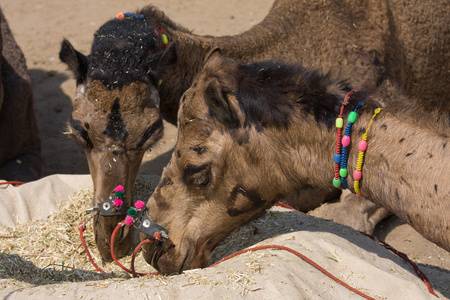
{"x": 20, "y": 150}
{"x": 371, "y": 43}
{"x": 252, "y": 134}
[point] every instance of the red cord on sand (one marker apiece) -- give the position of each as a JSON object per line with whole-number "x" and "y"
{"x": 405, "y": 257}
{"x": 133, "y": 272}
{"x": 113, "y": 235}
{"x": 12, "y": 182}
{"x": 419, "y": 273}
{"x": 302, "y": 257}
{"x": 82, "y": 228}
{"x": 261, "y": 248}
{"x": 306, "y": 259}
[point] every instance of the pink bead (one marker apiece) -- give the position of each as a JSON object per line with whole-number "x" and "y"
{"x": 119, "y": 188}
{"x": 129, "y": 220}
{"x": 356, "y": 175}
{"x": 139, "y": 204}
{"x": 118, "y": 202}
{"x": 362, "y": 146}
{"x": 345, "y": 140}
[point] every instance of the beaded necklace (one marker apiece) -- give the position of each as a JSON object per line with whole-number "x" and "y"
{"x": 337, "y": 156}
{"x": 362, "y": 146}
{"x": 345, "y": 143}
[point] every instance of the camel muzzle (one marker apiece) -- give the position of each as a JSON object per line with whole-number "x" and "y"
{"x": 136, "y": 216}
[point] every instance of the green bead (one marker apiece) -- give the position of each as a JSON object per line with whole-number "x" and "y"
{"x": 352, "y": 117}
{"x": 336, "y": 182}
{"x": 119, "y": 195}
{"x": 165, "y": 40}
{"x": 131, "y": 211}
{"x": 343, "y": 172}
{"x": 339, "y": 122}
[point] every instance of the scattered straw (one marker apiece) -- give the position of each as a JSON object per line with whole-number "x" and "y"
{"x": 49, "y": 251}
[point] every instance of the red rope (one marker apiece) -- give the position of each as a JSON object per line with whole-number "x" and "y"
{"x": 421, "y": 275}
{"x": 405, "y": 257}
{"x": 134, "y": 257}
{"x": 419, "y": 272}
{"x": 81, "y": 229}
{"x": 114, "y": 256}
{"x": 281, "y": 204}
{"x": 12, "y": 182}
{"x": 302, "y": 257}
{"x": 262, "y": 248}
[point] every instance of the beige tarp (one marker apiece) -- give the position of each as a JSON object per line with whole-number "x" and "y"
{"x": 263, "y": 274}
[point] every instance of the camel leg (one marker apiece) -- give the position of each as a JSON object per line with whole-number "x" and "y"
{"x": 353, "y": 211}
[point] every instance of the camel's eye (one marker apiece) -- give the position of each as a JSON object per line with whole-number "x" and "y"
{"x": 80, "y": 134}
{"x": 197, "y": 175}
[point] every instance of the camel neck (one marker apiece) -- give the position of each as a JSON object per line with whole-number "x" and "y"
{"x": 192, "y": 51}
{"x": 406, "y": 167}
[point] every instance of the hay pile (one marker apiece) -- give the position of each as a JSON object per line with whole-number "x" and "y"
{"x": 50, "y": 251}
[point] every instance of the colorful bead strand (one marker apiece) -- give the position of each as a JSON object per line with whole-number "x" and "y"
{"x": 362, "y": 146}
{"x": 345, "y": 143}
{"x": 337, "y": 156}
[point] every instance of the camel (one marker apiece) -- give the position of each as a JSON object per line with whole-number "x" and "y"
{"x": 239, "y": 151}
{"x": 20, "y": 153}
{"x": 372, "y": 44}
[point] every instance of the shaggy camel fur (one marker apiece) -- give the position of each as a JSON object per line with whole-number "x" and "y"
{"x": 251, "y": 134}
{"x": 20, "y": 150}
{"x": 369, "y": 42}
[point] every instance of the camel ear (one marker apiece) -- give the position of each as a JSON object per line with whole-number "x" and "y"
{"x": 212, "y": 55}
{"x": 219, "y": 105}
{"x": 169, "y": 56}
{"x": 77, "y": 62}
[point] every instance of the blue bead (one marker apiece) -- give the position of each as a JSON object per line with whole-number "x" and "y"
{"x": 337, "y": 158}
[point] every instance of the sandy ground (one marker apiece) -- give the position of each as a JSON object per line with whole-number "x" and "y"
{"x": 40, "y": 25}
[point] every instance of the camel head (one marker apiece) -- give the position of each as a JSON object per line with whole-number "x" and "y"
{"x": 115, "y": 115}
{"x": 212, "y": 185}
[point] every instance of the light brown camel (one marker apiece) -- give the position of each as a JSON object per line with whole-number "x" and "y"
{"x": 250, "y": 135}
{"x": 401, "y": 45}
{"x": 20, "y": 144}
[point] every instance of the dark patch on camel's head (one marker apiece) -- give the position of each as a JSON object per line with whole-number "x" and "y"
{"x": 116, "y": 128}
{"x": 123, "y": 51}
{"x": 233, "y": 207}
{"x": 269, "y": 93}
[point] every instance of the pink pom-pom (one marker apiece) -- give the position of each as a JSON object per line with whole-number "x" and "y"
{"x": 362, "y": 146}
{"x": 345, "y": 140}
{"x": 119, "y": 188}
{"x": 118, "y": 202}
{"x": 139, "y": 204}
{"x": 129, "y": 220}
{"x": 356, "y": 175}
